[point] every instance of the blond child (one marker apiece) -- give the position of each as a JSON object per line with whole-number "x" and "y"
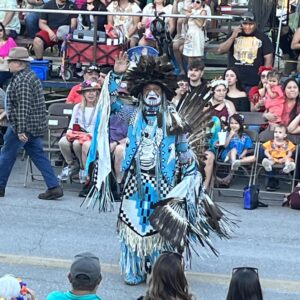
{"x": 279, "y": 151}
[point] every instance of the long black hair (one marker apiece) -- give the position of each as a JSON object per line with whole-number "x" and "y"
{"x": 239, "y": 85}
{"x": 244, "y": 285}
{"x": 240, "y": 121}
{"x": 294, "y": 111}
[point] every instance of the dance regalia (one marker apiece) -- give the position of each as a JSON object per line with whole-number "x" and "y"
{"x": 164, "y": 206}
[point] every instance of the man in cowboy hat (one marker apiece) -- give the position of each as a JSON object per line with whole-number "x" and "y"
{"x": 248, "y": 49}
{"x": 26, "y": 112}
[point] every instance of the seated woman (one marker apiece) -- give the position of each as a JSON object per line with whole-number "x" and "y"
{"x": 222, "y": 108}
{"x": 79, "y": 134}
{"x": 128, "y": 23}
{"x": 167, "y": 279}
{"x": 6, "y": 43}
{"x": 256, "y": 100}
{"x": 158, "y": 6}
{"x": 88, "y": 20}
{"x": 236, "y": 93}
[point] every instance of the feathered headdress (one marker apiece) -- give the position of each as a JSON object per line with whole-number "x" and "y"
{"x": 157, "y": 70}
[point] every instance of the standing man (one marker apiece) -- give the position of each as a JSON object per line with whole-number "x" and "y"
{"x": 248, "y": 49}
{"x": 26, "y": 111}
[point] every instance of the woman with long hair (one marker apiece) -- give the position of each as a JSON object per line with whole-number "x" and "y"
{"x": 167, "y": 279}
{"x": 244, "y": 285}
{"x": 128, "y": 23}
{"x": 6, "y": 43}
{"x": 79, "y": 134}
{"x": 236, "y": 93}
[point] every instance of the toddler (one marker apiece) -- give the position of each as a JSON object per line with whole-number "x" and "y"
{"x": 279, "y": 151}
{"x": 274, "y": 97}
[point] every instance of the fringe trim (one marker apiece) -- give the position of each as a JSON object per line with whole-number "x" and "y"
{"x": 143, "y": 246}
{"x": 103, "y": 197}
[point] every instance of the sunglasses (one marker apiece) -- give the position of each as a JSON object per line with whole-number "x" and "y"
{"x": 255, "y": 270}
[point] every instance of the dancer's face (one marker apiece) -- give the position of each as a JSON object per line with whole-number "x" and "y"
{"x": 152, "y": 95}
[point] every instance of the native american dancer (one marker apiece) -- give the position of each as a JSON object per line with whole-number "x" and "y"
{"x": 164, "y": 206}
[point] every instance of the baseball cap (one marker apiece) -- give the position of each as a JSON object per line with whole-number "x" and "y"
{"x": 248, "y": 17}
{"x": 87, "y": 264}
{"x": 91, "y": 68}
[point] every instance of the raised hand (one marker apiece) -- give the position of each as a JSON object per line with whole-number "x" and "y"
{"x": 121, "y": 63}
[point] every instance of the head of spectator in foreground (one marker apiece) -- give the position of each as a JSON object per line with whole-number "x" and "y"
{"x": 244, "y": 285}
{"x": 85, "y": 273}
{"x": 91, "y": 73}
{"x": 167, "y": 279}
{"x": 18, "y": 59}
{"x": 3, "y": 35}
{"x": 231, "y": 75}
{"x": 196, "y": 71}
{"x": 90, "y": 91}
{"x": 248, "y": 23}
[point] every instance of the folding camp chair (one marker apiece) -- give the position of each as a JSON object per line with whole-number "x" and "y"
{"x": 55, "y": 124}
{"x": 246, "y": 170}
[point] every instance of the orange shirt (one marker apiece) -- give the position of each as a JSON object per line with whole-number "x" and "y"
{"x": 279, "y": 151}
{"x": 74, "y": 96}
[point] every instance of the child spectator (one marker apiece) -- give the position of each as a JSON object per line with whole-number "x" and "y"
{"x": 244, "y": 285}
{"x": 279, "y": 151}
{"x": 195, "y": 37}
{"x": 274, "y": 97}
{"x": 237, "y": 144}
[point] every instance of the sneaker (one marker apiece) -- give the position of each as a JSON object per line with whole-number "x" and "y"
{"x": 65, "y": 174}
{"x": 82, "y": 176}
{"x": 266, "y": 163}
{"x": 289, "y": 167}
{"x": 52, "y": 194}
{"x": 235, "y": 165}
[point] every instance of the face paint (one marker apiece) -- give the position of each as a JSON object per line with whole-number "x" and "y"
{"x": 152, "y": 99}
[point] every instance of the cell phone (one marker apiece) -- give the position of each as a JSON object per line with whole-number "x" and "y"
{"x": 76, "y": 127}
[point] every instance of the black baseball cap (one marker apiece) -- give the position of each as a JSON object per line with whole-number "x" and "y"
{"x": 248, "y": 17}
{"x": 91, "y": 68}
{"x": 87, "y": 264}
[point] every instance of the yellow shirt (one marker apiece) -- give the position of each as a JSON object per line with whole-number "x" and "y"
{"x": 279, "y": 151}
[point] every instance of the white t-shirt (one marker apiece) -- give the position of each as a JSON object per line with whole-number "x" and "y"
{"x": 126, "y": 21}
{"x": 14, "y": 24}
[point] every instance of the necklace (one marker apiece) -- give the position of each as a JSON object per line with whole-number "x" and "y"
{"x": 60, "y": 7}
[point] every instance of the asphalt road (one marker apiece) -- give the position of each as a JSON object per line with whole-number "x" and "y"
{"x": 40, "y": 238}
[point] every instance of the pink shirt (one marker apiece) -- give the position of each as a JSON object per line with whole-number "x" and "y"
{"x": 275, "y": 105}
{"x": 4, "y": 50}
{"x": 74, "y": 96}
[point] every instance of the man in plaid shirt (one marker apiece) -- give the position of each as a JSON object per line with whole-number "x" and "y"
{"x": 26, "y": 112}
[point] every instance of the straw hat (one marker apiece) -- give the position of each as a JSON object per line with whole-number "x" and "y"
{"x": 19, "y": 53}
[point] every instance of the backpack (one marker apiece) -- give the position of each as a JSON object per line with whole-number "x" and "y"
{"x": 293, "y": 199}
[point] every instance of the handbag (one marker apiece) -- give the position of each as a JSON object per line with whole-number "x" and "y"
{"x": 251, "y": 197}
{"x": 293, "y": 199}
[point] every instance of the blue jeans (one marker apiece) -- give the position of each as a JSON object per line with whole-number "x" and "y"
{"x": 32, "y": 24}
{"x": 34, "y": 149}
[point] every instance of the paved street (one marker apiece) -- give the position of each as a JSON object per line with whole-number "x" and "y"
{"x": 39, "y": 239}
